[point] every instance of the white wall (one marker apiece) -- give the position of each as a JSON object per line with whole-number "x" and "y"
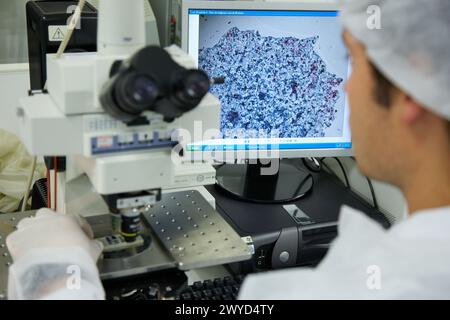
{"x": 14, "y": 84}
{"x": 13, "y": 32}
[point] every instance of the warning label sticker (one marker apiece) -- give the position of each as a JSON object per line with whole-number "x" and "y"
{"x": 57, "y": 33}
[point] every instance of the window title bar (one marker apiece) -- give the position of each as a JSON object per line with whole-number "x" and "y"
{"x": 264, "y": 13}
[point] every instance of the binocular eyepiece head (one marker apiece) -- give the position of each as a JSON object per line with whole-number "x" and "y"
{"x": 152, "y": 81}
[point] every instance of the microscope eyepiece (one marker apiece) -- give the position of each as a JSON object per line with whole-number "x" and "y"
{"x": 143, "y": 90}
{"x": 194, "y": 86}
{"x": 152, "y": 81}
{"x": 190, "y": 88}
{"x": 133, "y": 93}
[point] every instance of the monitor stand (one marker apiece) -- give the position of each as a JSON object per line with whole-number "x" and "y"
{"x": 245, "y": 182}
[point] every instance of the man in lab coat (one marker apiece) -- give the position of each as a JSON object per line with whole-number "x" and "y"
{"x": 400, "y": 119}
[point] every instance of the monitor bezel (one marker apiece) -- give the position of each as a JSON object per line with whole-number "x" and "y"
{"x": 301, "y": 5}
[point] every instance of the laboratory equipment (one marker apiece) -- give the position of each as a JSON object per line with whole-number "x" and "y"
{"x": 283, "y": 102}
{"x": 114, "y": 117}
{"x": 284, "y": 65}
{"x": 47, "y": 27}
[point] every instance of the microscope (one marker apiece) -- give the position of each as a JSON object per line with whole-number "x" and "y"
{"x": 120, "y": 118}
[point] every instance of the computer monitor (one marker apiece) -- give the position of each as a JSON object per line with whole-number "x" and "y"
{"x": 285, "y": 65}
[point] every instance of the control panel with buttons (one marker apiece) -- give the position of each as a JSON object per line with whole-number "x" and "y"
{"x": 130, "y": 142}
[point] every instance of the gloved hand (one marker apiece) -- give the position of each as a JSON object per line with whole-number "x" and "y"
{"x": 45, "y": 249}
{"x": 51, "y": 230}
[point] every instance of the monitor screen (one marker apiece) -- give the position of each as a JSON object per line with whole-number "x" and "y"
{"x": 284, "y": 76}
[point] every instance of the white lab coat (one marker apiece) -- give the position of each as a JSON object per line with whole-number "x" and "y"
{"x": 409, "y": 261}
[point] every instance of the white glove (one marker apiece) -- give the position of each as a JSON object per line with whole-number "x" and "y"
{"x": 54, "y": 258}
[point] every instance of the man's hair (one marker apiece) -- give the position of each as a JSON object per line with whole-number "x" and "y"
{"x": 383, "y": 91}
{"x": 383, "y": 88}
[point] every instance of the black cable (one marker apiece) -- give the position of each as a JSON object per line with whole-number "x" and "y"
{"x": 372, "y": 190}
{"x": 312, "y": 164}
{"x": 347, "y": 181}
{"x": 344, "y": 172}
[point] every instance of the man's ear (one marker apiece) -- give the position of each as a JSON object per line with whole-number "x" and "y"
{"x": 411, "y": 110}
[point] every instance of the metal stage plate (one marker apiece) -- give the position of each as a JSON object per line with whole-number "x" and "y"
{"x": 155, "y": 258}
{"x": 194, "y": 236}
{"x": 8, "y": 224}
{"x": 194, "y": 233}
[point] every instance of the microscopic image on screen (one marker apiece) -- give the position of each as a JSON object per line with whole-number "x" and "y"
{"x": 283, "y": 74}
